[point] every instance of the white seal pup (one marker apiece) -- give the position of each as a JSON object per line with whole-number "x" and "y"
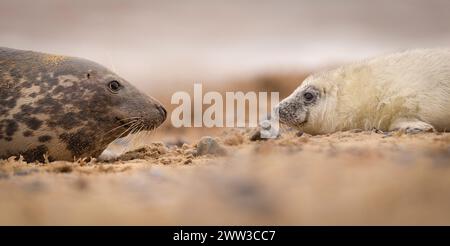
{"x": 408, "y": 91}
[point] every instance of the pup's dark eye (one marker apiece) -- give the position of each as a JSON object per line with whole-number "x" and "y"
{"x": 308, "y": 96}
{"x": 114, "y": 86}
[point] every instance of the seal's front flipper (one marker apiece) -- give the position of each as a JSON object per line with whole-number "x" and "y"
{"x": 411, "y": 126}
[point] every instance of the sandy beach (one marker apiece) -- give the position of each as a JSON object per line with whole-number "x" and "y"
{"x": 364, "y": 178}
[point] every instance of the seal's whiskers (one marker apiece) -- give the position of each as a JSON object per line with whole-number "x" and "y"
{"x": 115, "y": 128}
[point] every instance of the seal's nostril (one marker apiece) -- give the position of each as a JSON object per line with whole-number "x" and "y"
{"x": 281, "y": 112}
{"x": 162, "y": 110}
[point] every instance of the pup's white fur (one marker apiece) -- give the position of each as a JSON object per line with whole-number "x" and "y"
{"x": 404, "y": 91}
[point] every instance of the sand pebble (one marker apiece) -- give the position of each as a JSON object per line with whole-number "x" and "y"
{"x": 208, "y": 145}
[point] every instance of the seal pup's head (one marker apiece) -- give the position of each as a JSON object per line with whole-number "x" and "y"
{"x": 310, "y": 107}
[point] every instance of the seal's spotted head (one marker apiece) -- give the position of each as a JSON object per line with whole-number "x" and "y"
{"x": 133, "y": 106}
{"x": 121, "y": 101}
{"x": 105, "y": 106}
{"x": 66, "y": 107}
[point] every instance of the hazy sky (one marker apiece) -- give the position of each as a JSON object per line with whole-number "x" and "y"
{"x": 149, "y": 42}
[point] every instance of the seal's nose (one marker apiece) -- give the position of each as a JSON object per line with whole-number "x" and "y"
{"x": 283, "y": 113}
{"x": 163, "y": 111}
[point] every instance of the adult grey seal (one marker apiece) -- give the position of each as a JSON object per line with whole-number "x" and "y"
{"x": 408, "y": 91}
{"x": 64, "y": 107}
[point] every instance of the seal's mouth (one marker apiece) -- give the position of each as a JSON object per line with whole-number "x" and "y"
{"x": 294, "y": 122}
{"x": 301, "y": 124}
{"x": 137, "y": 124}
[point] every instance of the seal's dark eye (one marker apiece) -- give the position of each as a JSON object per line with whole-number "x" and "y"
{"x": 114, "y": 86}
{"x": 308, "y": 96}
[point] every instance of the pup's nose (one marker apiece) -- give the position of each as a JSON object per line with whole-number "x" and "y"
{"x": 283, "y": 112}
{"x": 163, "y": 111}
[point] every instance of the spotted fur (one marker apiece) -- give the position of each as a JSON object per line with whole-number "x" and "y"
{"x": 61, "y": 106}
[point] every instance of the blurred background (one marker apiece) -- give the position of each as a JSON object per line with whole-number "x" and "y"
{"x": 155, "y": 43}
{"x": 250, "y": 45}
